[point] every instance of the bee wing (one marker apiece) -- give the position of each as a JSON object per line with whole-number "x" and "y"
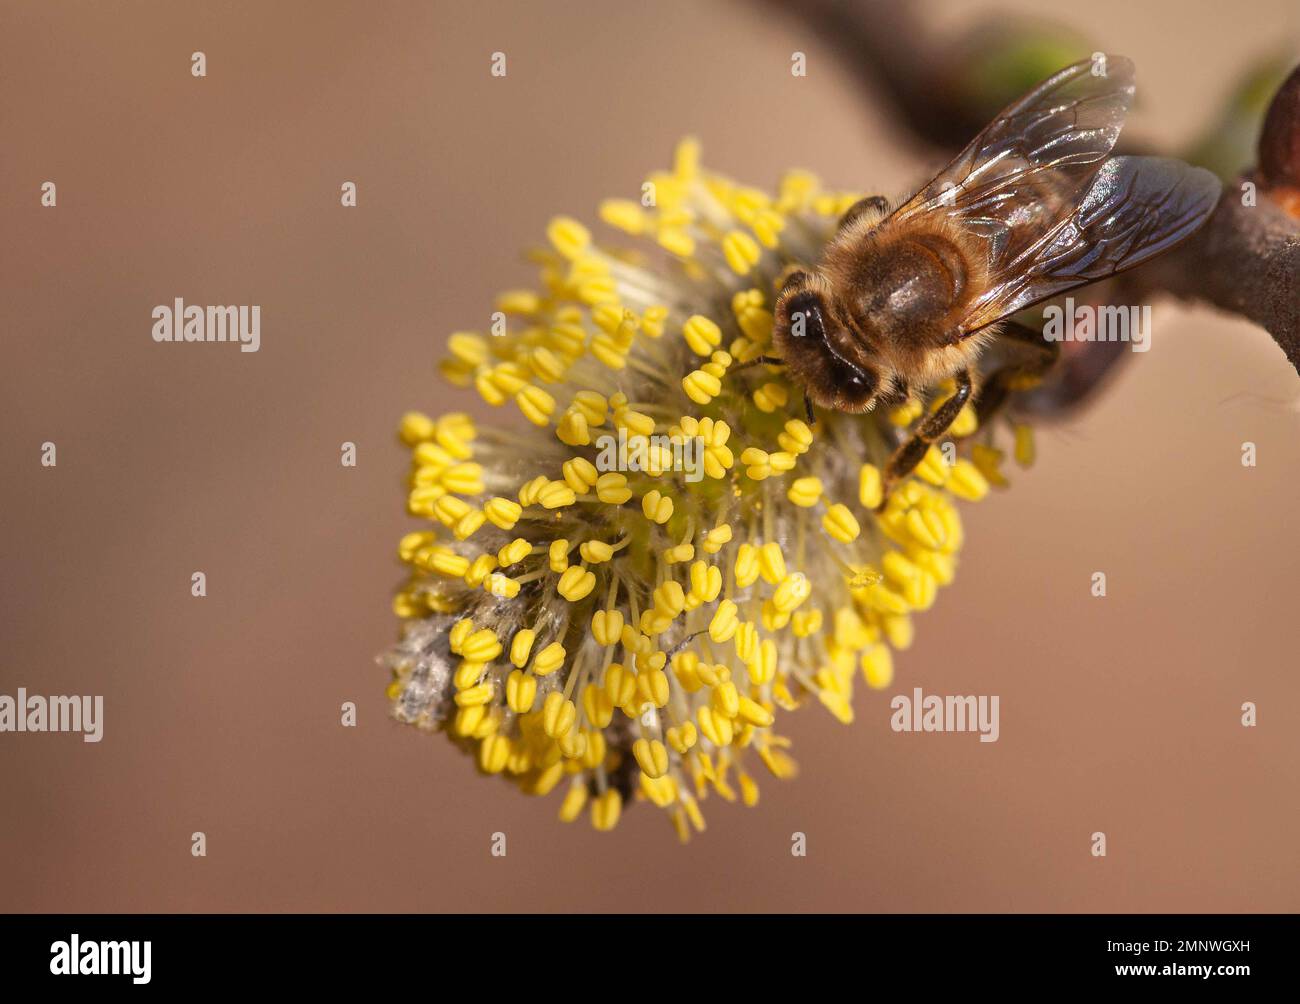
{"x": 1136, "y": 208}
{"x": 1053, "y": 210}
{"x": 1055, "y": 137}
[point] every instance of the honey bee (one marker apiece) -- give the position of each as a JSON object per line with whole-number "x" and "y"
{"x": 1034, "y": 206}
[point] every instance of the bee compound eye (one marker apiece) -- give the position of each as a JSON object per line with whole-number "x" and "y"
{"x": 806, "y": 319}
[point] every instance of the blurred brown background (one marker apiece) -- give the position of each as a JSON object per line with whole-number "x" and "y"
{"x": 222, "y": 714}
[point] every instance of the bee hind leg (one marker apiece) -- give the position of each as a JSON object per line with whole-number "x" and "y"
{"x": 907, "y": 456}
{"x": 1037, "y": 357}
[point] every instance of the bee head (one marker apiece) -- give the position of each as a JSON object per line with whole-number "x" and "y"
{"x": 836, "y": 369}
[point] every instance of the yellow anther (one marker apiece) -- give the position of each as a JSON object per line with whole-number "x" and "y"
{"x": 636, "y": 643}
{"x": 651, "y": 757}
{"x": 726, "y": 699}
{"x": 448, "y": 509}
{"x": 670, "y": 598}
{"x": 518, "y": 301}
{"x": 771, "y": 396}
{"x": 501, "y": 585}
{"x": 805, "y": 492}
{"x": 595, "y": 551}
{"x": 612, "y": 488}
{"x": 841, "y": 524}
{"x": 677, "y": 242}
{"x": 568, "y": 236}
{"x": 549, "y": 659}
{"x": 466, "y": 680}
{"x": 837, "y": 704}
{"x": 933, "y": 468}
{"x": 530, "y": 489}
{"x": 717, "y": 538}
{"x": 652, "y": 686}
{"x": 556, "y": 495}
{"x": 443, "y": 562}
{"x": 806, "y": 623}
{"x": 905, "y": 414}
{"x": 762, "y": 667}
{"x": 608, "y": 352}
{"x": 576, "y": 583}
{"x": 413, "y": 542}
{"x": 878, "y": 667}
{"x": 620, "y": 685}
{"x": 468, "y": 524}
{"x": 797, "y": 437}
{"x": 493, "y": 754}
{"x": 558, "y": 715}
{"x": 579, "y": 473}
{"x": 758, "y": 464}
{"x": 652, "y": 321}
{"x": 701, "y": 334}
{"x": 607, "y": 626}
{"x": 625, "y": 215}
{"x": 682, "y": 737}
{"x": 656, "y": 507}
{"x": 967, "y": 482}
{"x": 468, "y": 720}
{"x": 521, "y": 690}
{"x": 754, "y": 713}
{"x": 509, "y": 378}
{"x": 716, "y": 728}
{"x": 546, "y": 364}
{"x": 661, "y": 791}
{"x": 481, "y": 646}
{"x": 898, "y": 629}
{"x": 989, "y": 462}
{"x": 593, "y": 406}
{"x": 536, "y": 404}
{"x": 597, "y": 705}
{"x": 725, "y": 622}
{"x": 636, "y": 423}
{"x": 771, "y": 562}
{"x": 706, "y": 582}
{"x": 572, "y": 429}
{"x": 965, "y": 424}
{"x": 741, "y": 252}
{"x": 701, "y": 387}
{"x": 926, "y": 528}
{"x": 678, "y": 553}
{"x": 416, "y": 427}
{"x": 746, "y": 565}
{"x": 596, "y": 748}
{"x": 791, "y": 592}
{"x": 517, "y": 550}
{"x": 461, "y": 630}
{"x": 748, "y": 790}
{"x": 503, "y": 512}
{"x": 605, "y": 810}
{"x": 558, "y": 555}
{"x": 575, "y": 799}
{"x": 463, "y": 479}
{"x": 521, "y": 645}
{"x": 481, "y": 568}
{"x": 781, "y": 462}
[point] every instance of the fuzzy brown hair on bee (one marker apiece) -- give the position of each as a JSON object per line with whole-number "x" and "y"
{"x": 880, "y": 313}
{"x": 1034, "y": 206}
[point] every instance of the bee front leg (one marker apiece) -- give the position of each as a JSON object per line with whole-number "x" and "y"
{"x": 907, "y": 456}
{"x": 871, "y": 204}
